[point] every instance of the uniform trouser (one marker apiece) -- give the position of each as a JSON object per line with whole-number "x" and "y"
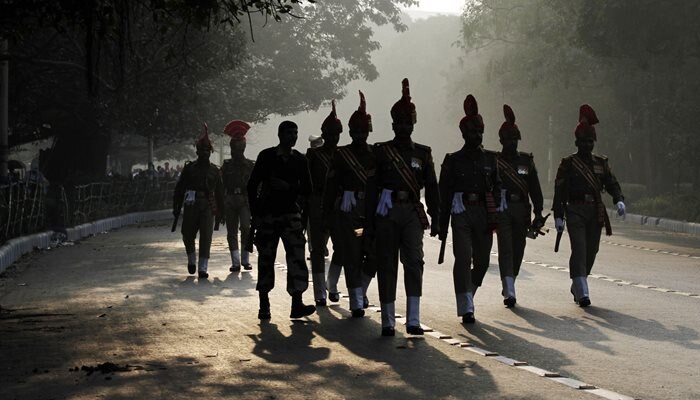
{"x": 512, "y": 232}
{"x": 270, "y": 230}
{"x": 318, "y": 235}
{"x": 198, "y": 218}
{"x": 471, "y": 242}
{"x": 349, "y": 246}
{"x": 584, "y": 235}
{"x": 237, "y": 217}
{"x": 399, "y": 232}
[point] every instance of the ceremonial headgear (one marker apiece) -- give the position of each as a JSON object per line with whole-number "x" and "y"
{"x": 315, "y": 141}
{"x": 203, "y": 143}
{"x": 236, "y": 129}
{"x": 332, "y": 124}
{"x": 508, "y": 129}
{"x": 472, "y": 121}
{"x": 359, "y": 120}
{"x": 586, "y": 120}
{"x": 403, "y": 111}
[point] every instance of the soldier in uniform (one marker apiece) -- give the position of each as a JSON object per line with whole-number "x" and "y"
{"x": 200, "y": 190}
{"x": 344, "y": 204}
{"x": 403, "y": 169}
{"x": 235, "y": 173}
{"x": 519, "y": 175}
{"x": 319, "y": 163}
{"x": 279, "y": 184}
{"x": 470, "y": 191}
{"x": 577, "y": 202}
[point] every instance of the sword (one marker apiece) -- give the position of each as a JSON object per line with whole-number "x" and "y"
{"x": 556, "y": 243}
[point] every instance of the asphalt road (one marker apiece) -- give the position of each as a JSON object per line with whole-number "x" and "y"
{"x": 125, "y": 298}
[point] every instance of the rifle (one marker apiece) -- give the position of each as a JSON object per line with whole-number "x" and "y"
{"x": 443, "y": 237}
{"x": 556, "y": 243}
{"x": 441, "y": 256}
{"x": 537, "y": 226}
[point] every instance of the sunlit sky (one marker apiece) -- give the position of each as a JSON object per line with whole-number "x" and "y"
{"x": 442, "y": 6}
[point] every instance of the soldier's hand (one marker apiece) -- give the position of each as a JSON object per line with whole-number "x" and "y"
{"x": 621, "y": 208}
{"x": 176, "y": 212}
{"x": 434, "y": 227}
{"x": 559, "y": 224}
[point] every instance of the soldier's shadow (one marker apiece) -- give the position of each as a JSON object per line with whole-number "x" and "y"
{"x": 272, "y": 346}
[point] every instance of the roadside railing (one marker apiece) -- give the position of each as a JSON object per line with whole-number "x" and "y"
{"x": 30, "y": 207}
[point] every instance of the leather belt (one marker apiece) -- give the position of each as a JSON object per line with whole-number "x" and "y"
{"x": 582, "y": 199}
{"x": 472, "y": 199}
{"x": 400, "y": 196}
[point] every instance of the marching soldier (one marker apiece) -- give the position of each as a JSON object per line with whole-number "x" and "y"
{"x": 470, "y": 191}
{"x": 344, "y": 203}
{"x": 580, "y": 180}
{"x": 278, "y": 185}
{"x": 200, "y": 190}
{"x": 403, "y": 169}
{"x": 235, "y": 173}
{"x": 319, "y": 163}
{"x": 519, "y": 175}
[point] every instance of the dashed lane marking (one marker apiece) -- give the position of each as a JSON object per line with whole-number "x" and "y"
{"x": 643, "y": 248}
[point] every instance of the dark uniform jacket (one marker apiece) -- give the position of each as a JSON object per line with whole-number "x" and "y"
{"x": 320, "y": 159}
{"x": 235, "y": 174}
{"x": 472, "y": 172}
{"x": 343, "y": 176}
{"x": 419, "y": 159}
{"x": 523, "y": 166}
{"x": 204, "y": 179}
{"x": 571, "y": 186}
{"x": 292, "y": 169}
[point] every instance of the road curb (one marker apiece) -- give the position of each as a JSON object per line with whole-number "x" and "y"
{"x": 15, "y": 248}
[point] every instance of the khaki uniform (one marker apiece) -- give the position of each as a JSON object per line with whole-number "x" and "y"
{"x": 320, "y": 159}
{"x": 474, "y": 174}
{"x": 344, "y": 204}
{"x": 575, "y": 200}
{"x": 520, "y": 181}
{"x": 235, "y": 174}
{"x": 277, "y": 215}
{"x": 399, "y": 233}
{"x": 200, "y": 190}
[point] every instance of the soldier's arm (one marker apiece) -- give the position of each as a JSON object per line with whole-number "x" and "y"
{"x": 496, "y": 182}
{"x": 561, "y": 189}
{"x": 535, "y": 188}
{"x": 219, "y": 194}
{"x": 331, "y": 187}
{"x": 432, "y": 191}
{"x": 256, "y": 178}
{"x": 179, "y": 192}
{"x": 446, "y": 194}
{"x": 305, "y": 185}
{"x": 612, "y": 186}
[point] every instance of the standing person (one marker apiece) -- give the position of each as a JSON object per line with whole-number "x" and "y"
{"x": 200, "y": 190}
{"x": 344, "y": 204}
{"x": 519, "y": 175}
{"x": 403, "y": 169}
{"x": 235, "y": 173}
{"x": 319, "y": 159}
{"x": 470, "y": 190}
{"x": 577, "y": 202}
{"x": 279, "y": 184}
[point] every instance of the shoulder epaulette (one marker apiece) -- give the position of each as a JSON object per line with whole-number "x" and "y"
{"x": 601, "y": 157}
{"x": 423, "y": 147}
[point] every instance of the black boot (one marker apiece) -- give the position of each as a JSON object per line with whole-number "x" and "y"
{"x": 264, "y": 312}
{"x": 299, "y": 309}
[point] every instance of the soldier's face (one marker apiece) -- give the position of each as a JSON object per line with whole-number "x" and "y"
{"x": 585, "y": 145}
{"x": 203, "y": 153}
{"x": 288, "y": 137}
{"x": 237, "y": 147}
{"x": 359, "y": 137}
{"x": 330, "y": 138}
{"x": 473, "y": 138}
{"x": 402, "y": 130}
{"x": 509, "y": 145}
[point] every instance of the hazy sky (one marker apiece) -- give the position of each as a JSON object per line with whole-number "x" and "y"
{"x": 442, "y": 6}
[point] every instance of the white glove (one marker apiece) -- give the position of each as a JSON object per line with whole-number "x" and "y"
{"x": 620, "y": 208}
{"x": 348, "y": 201}
{"x": 559, "y": 224}
{"x": 457, "y": 203}
{"x": 504, "y": 202}
{"x": 384, "y": 203}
